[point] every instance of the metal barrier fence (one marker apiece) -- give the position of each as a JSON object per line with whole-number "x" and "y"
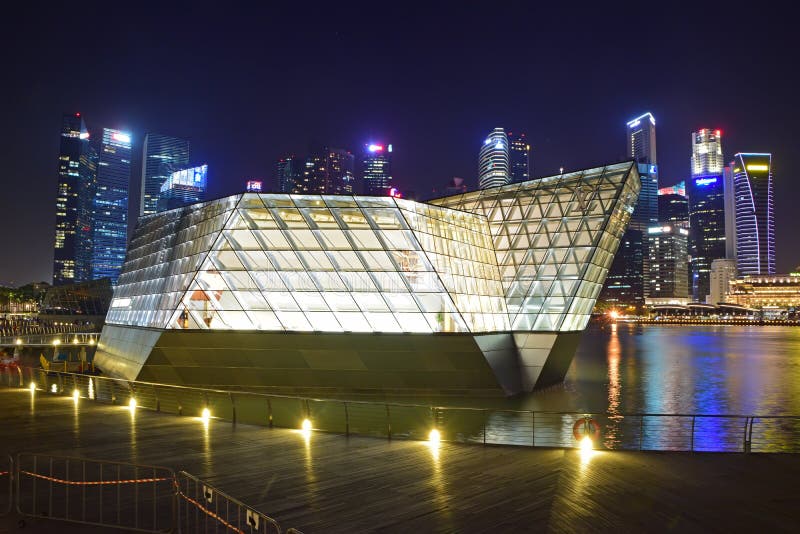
{"x": 93, "y": 492}
{"x": 6, "y": 485}
{"x": 204, "y": 508}
{"x": 43, "y": 339}
{"x": 654, "y": 432}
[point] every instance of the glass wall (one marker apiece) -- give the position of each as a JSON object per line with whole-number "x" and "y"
{"x": 528, "y": 256}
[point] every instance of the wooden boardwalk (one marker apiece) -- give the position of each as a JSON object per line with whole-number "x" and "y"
{"x": 332, "y": 483}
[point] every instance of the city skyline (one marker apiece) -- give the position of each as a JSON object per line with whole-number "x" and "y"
{"x": 240, "y": 122}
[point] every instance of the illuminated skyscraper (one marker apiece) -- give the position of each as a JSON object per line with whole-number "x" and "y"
{"x": 286, "y": 173}
{"x": 183, "y": 187}
{"x": 493, "y": 161}
{"x": 626, "y": 282}
{"x": 706, "y": 194}
{"x": 110, "y": 207}
{"x": 668, "y": 276}
{"x": 755, "y": 214}
{"x": 673, "y": 210}
{"x": 77, "y": 166}
{"x": 377, "y": 169}
{"x": 519, "y": 157}
{"x": 161, "y": 156}
{"x": 340, "y": 166}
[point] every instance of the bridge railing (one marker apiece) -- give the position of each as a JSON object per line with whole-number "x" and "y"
{"x": 613, "y": 431}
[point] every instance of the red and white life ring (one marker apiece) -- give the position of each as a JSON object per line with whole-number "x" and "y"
{"x": 586, "y": 426}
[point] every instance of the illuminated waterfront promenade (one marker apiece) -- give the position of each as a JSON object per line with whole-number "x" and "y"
{"x": 328, "y": 482}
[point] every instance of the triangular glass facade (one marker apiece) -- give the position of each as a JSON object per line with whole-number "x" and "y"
{"x": 528, "y": 256}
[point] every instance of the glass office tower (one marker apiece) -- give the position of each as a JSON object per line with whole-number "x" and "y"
{"x": 183, "y": 187}
{"x": 493, "y": 160}
{"x": 161, "y": 156}
{"x": 706, "y": 193}
{"x": 110, "y": 206}
{"x": 77, "y": 166}
{"x": 519, "y": 157}
{"x": 755, "y": 214}
{"x": 377, "y": 169}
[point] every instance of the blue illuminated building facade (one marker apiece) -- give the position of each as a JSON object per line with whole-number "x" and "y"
{"x": 183, "y": 187}
{"x": 755, "y": 214}
{"x": 161, "y": 156}
{"x": 110, "y": 204}
{"x": 706, "y": 193}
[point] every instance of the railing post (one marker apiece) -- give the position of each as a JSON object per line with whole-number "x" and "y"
{"x": 691, "y": 446}
{"x": 641, "y": 431}
{"x": 745, "y": 444}
{"x": 346, "y": 420}
{"x": 485, "y": 418}
{"x": 533, "y": 428}
{"x": 233, "y": 408}
{"x": 269, "y": 411}
{"x": 388, "y": 421}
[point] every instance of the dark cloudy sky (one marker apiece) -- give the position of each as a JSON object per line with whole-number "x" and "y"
{"x": 246, "y": 84}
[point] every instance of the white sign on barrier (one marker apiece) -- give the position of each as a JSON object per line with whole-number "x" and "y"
{"x": 208, "y": 493}
{"x": 252, "y": 519}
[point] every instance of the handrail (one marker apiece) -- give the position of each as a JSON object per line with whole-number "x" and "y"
{"x": 412, "y": 405}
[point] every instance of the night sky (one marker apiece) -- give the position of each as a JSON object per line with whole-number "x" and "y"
{"x": 246, "y": 85}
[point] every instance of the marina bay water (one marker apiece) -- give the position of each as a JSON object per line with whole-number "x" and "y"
{"x": 628, "y": 368}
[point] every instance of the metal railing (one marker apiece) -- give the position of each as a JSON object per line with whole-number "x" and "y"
{"x": 633, "y": 431}
{"x": 6, "y": 485}
{"x": 124, "y": 496}
{"x": 204, "y": 508}
{"x": 65, "y": 338}
{"x": 94, "y": 492}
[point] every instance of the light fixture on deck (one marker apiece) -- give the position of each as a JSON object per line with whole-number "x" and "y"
{"x": 132, "y": 404}
{"x": 205, "y": 415}
{"x": 32, "y": 387}
{"x": 305, "y": 426}
{"x": 76, "y": 395}
{"x": 434, "y": 436}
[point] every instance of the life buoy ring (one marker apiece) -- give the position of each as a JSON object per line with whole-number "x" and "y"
{"x": 586, "y": 426}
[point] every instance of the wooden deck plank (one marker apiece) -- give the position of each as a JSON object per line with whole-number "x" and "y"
{"x": 333, "y": 483}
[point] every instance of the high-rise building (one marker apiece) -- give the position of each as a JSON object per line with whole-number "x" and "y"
{"x": 730, "y": 211}
{"x": 673, "y": 210}
{"x": 183, "y": 187}
{"x": 624, "y": 285}
{"x": 341, "y": 175}
{"x": 493, "y": 160}
{"x": 626, "y": 282}
{"x": 668, "y": 276}
{"x": 313, "y": 179}
{"x": 755, "y": 214}
{"x": 286, "y": 173}
{"x": 110, "y": 206}
{"x": 77, "y": 166}
{"x": 161, "y": 156}
{"x": 642, "y": 139}
{"x": 706, "y": 194}
{"x": 723, "y": 272}
{"x": 519, "y": 157}
{"x": 377, "y": 169}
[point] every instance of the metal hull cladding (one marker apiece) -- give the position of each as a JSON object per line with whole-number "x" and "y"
{"x": 479, "y": 291}
{"x": 488, "y": 364}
